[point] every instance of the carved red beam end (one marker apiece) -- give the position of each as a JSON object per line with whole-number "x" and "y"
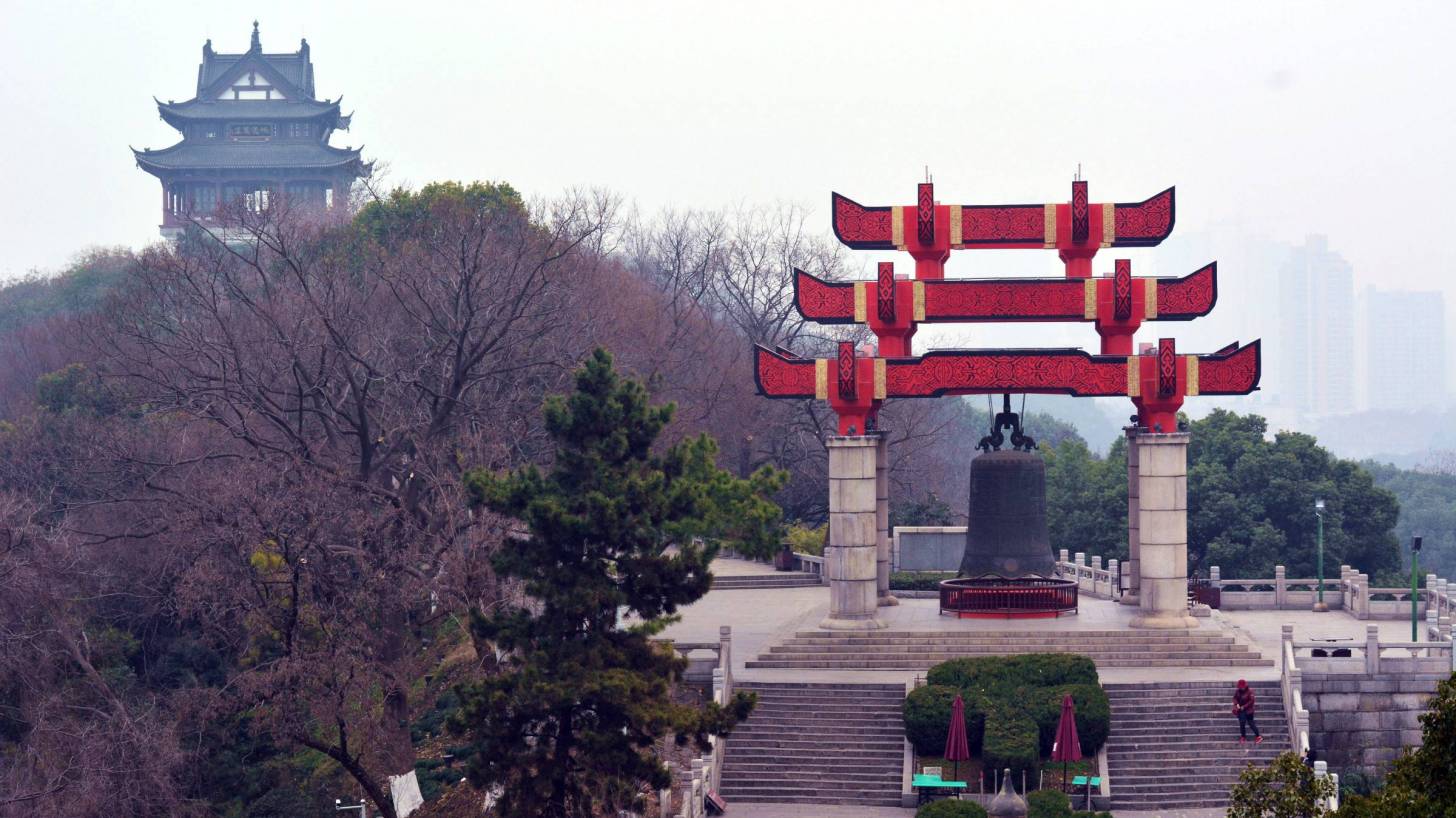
{"x": 1157, "y": 383}
{"x": 1118, "y": 304}
{"x": 1076, "y": 229}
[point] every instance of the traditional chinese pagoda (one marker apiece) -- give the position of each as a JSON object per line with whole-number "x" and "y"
{"x": 254, "y": 136}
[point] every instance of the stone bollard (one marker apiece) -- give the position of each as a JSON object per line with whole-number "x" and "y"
{"x": 1372, "y": 649}
{"x": 1281, "y": 588}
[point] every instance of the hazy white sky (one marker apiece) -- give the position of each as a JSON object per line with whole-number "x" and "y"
{"x": 1284, "y": 118}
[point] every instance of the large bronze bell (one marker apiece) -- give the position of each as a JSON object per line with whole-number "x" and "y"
{"x": 1007, "y": 531}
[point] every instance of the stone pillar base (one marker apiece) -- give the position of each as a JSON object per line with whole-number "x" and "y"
{"x": 1129, "y": 598}
{"x": 1155, "y": 620}
{"x": 887, "y": 601}
{"x": 830, "y": 623}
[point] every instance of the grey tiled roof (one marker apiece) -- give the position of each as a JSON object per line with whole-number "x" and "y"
{"x": 242, "y": 155}
{"x": 294, "y": 67}
{"x": 246, "y": 109}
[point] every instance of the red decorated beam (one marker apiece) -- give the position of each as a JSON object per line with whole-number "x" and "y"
{"x": 1076, "y": 228}
{"x": 1157, "y": 382}
{"x": 1118, "y": 304}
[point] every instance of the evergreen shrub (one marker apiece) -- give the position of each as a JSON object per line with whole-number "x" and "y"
{"x": 1093, "y": 715}
{"x": 950, "y": 808}
{"x": 1048, "y": 804}
{"x": 1010, "y": 741}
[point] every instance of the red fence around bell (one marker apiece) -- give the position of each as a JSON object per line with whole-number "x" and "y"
{"x": 1022, "y": 597}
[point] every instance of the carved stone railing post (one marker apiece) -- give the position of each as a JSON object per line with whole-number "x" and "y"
{"x": 725, "y": 657}
{"x": 1372, "y": 649}
{"x": 1281, "y": 588}
{"x": 1114, "y": 587}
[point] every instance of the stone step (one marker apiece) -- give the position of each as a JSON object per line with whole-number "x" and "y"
{"x": 873, "y": 662}
{"x": 765, "y": 581}
{"x": 813, "y": 746}
{"x": 1042, "y": 637}
{"x": 1167, "y": 726}
{"x": 777, "y": 705}
{"x": 872, "y": 798}
{"x": 791, "y": 718}
{"x": 1223, "y": 776}
{"x": 793, "y": 773}
{"x": 998, "y": 647}
{"x": 788, "y": 764}
{"x": 1122, "y": 688}
{"x": 1018, "y": 635}
{"x": 821, "y": 688}
{"x": 844, "y": 730}
{"x": 1168, "y": 803}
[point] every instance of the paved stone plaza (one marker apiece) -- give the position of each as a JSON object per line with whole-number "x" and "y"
{"x": 761, "y": 618}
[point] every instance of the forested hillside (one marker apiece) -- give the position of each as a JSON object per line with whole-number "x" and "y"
{"x": 238, "y": 559}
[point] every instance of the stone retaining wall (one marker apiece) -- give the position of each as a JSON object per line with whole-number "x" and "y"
{"x": 1361, "y": 721}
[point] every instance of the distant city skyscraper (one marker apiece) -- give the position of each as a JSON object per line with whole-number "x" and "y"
{"x": 1316, "y": 356}
{"x": 1406, "y": 342}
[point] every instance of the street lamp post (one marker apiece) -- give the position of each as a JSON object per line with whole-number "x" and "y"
{"x": 362, "y": 806}
{"x": 1415, "y": 592}
{"x": 1319, "y": 560}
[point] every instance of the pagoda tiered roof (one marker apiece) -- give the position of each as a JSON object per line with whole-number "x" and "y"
{"x": 178, "y": 114}
{"x": 240, "y": 155}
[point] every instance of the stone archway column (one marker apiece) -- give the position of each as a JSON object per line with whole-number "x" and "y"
{"x": 1131, "y": 565}
{"x": 1163, "y": 532}
{"x": 882, "y": 524}
{"x": 851, "y": 557}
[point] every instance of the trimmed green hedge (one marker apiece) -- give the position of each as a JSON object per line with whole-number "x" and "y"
{"x": 918, "y": 580}
{"x": 950, "y": 808}
{"x": 1094, "y": 716}
{"x": 1048, "y": 804}
{"x": 1010, "y": 741}
{"x": 1012, "y": 705}
{"x": 1014, "y": 673}
{"x": 927, "y": 717}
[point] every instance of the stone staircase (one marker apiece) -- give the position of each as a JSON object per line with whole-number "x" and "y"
{"x": 817, "y": 744}
{"x": 900, "y": 650}
{"x": 781, "y": 579}
{"x": 1175, "y": 745}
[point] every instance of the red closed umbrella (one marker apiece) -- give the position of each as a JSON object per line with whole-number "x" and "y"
{"x": 1067, "y": 747}
{"x": 956, "y": 749}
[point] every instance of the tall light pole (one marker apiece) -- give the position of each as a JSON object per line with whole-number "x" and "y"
{"x": 1319, "y": 560}
{"x": 1415, "y": 572}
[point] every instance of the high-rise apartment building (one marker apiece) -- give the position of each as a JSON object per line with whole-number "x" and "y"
{"x": 1405, "y": 335}
{"x": 1315, "y": 372}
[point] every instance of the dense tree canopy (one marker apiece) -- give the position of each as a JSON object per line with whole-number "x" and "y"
{"x": 1250, "y": 502}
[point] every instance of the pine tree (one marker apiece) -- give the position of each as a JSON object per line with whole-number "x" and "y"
{"x": 567, "y": 727}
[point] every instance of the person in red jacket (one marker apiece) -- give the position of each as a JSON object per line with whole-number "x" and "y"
{"x": 1244, "y": 709}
